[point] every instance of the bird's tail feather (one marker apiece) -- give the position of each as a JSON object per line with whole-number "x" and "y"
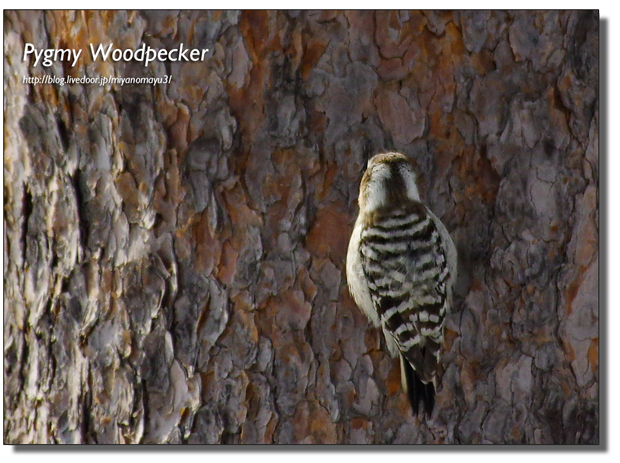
{"x": 416, "y": 389}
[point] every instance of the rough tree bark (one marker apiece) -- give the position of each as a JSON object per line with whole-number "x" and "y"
{"x": 174, "y": 254}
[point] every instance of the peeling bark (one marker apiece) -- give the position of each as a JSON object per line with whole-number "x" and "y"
{"x": 174, "y": 254}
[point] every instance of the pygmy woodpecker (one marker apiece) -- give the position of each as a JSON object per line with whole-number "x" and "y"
{"x": 401, "y": 270}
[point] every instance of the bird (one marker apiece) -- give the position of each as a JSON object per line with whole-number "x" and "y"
{"x": 401, "y": 269}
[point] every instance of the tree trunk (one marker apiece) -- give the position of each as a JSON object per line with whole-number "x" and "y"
{"x": 174, "y": 253}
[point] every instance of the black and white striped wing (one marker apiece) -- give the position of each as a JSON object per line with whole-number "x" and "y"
{"x": 406, "y": 266}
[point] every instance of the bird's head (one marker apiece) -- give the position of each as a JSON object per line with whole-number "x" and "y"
{"x": 389, "y": 181}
